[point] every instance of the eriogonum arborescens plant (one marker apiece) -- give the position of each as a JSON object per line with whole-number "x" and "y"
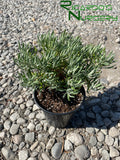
{"x": 62, "y": 63}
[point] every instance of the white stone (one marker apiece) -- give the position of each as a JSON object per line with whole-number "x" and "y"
{"x": 75, "y": 138}
{"x": 40, "y": 137}
{"x": 119, "y": 124}
{"x": 68, "y": 145}
{"x": 10, "y": 74}
{"x": 116, "y": 142}
{"x": 7, "y": 153}
{"x": 113, "y": 152}
{"x": 51, "y": 130}
{"x": 105, "y": 155}
{"x": 14, "y": 129}
{"x": 46, "y": 125}
{"x": 21, "y": 100}
{"x": 29, "y": 103}
{"x": 96, "y": 130}
{"x": 40, "y": 116}
{"x": 14, "y": 116}
{"x": 90, "y": 130}
{"x": 109, "y": 140}
{"x": 35, "y": 107}
{"x": 7, "y": 125}
{"x": 38, "y": 127}
{"x": 50, "y": 143}
{"x": 27, "y": 112}
{"x": 17, "y": 139}
{"x": 20, "y": 121}
{"x": 100, "y": 137}
{"x": 113, "y": 132}
{"x": 31, "y": 126}
{"x": 23, "y": 155}
{"x": 2, "y": 135}
{"x": 4, "y": 85}
{"x": 34, "y": 145}
{"x": 118, "y": 40}
{"x": 31, "y": 158}
{"x": 31, "y": 115}
{"x": 94, "y": 151}
{"x": 29, "y": 137}
{"x": 6, "y": 112}
{"x": 104, "y": 131}
{"x": 92, "y": 141}
{"x": 22, "y": 106}
{"x": 82, "y": 152}
{"x": 45, "y": 156}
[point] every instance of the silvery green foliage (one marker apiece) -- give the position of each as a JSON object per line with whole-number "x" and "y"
{"x": 62, "y": 64}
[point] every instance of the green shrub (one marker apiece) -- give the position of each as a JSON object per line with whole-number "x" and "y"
{"x": 62, "y": 64}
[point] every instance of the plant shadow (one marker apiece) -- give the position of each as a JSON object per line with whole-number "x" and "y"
{"x": 102, "y": 111}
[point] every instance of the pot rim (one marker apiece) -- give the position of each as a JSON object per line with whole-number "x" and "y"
{"x": 52, "y": 113}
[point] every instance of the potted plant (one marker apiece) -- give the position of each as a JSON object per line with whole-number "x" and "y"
{"x": 58, "y": 70}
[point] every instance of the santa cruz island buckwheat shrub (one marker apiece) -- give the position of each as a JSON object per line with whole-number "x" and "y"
{"x": 62, "y": 64}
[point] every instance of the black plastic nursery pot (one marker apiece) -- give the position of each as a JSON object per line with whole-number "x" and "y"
{"x": 58, "y": 120}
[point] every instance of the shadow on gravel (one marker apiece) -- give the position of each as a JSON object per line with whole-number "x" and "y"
{"x": 99, "y": 112}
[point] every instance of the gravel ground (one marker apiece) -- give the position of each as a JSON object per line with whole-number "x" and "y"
{"x": 94, "y": 131}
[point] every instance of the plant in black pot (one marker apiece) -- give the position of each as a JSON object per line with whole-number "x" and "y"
{"x": 57, "y": 70}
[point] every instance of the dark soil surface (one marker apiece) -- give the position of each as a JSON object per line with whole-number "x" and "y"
{"x": 53, "y": 101}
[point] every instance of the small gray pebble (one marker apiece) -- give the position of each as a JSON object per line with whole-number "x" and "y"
{"x": 82, "y": 152}
{"x": 93, "y": 141}
{"x": 29, "y": 137}
{"x": 56, "y": 150}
